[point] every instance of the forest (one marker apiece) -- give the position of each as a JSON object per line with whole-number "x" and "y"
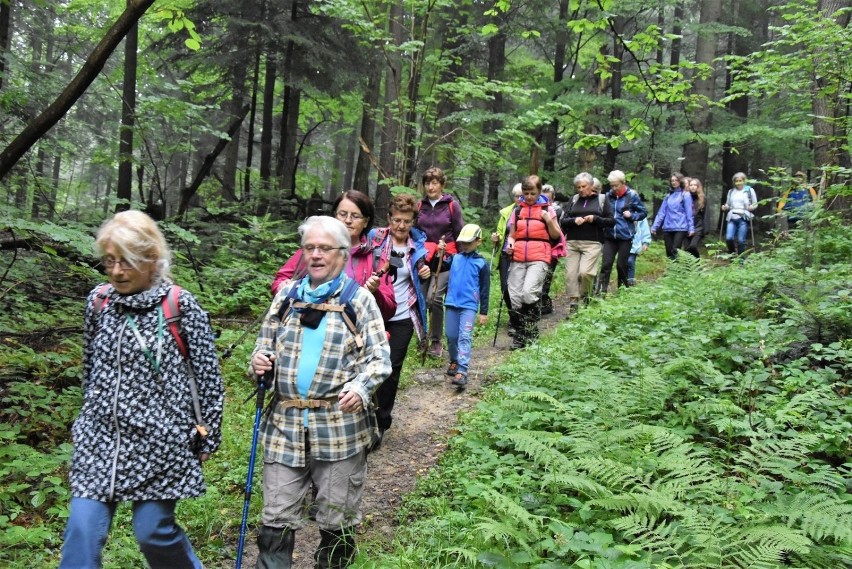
{"x": 229, "y": 121}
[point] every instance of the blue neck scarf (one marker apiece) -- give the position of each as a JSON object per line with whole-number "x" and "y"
{"x": 320, "y": 294}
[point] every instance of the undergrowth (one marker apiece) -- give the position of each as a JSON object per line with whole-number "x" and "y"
{"x": 698, "y": 421}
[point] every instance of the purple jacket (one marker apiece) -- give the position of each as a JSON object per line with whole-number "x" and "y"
{"x": 443, "y": 220}
{"x": 676, "y": 213}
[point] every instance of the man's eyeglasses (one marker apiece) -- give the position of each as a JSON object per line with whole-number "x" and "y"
{"x": 110, "y": 262}
{"x": 398, "y": 221}
{"x": 342, "y": 215}
{"x": 324, "y": 250}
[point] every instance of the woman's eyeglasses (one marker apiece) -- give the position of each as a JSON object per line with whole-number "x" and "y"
{"x": 323, "y": 250}
{"x": 110, "y": 262}
{"x": 398, "y": 221}
{"x": 343, "y": 215}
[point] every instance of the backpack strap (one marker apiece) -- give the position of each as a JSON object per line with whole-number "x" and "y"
{"x": 171, "y": 312}
{"x": 344, "y": 308}
{"x": 101, "y": 297}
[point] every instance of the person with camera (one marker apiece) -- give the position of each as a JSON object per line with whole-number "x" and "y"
{"x": 325, "y": 340}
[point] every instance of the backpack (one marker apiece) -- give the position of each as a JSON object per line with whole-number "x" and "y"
{"x": 749, "y": 215}
{"x": 171, "y": 314}
{"x": 345, "y": 309}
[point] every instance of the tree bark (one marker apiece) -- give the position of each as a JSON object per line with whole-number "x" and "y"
{"x": 361, "y": 179}
{"x": 5, "y": 37}
{"x": 187, "y": 193}
{"x": 75, "y": 89}
{"x": 267, "y": 127}
{"x": 390, "y": 123}
{"x": 124, "y": 188}
{"x": 696, "y": 152}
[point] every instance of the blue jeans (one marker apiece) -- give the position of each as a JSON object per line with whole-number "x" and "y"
{"x": 459, "y": 335}
{"x": 737, "y": 229}
{"x": 631, "y": 267}
{"x": 160, "y": 539}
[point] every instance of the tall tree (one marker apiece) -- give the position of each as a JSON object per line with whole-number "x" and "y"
{"x": 74, "y": 90}
{"x": 696, "y": 151}
{"x": 128, "y": 112}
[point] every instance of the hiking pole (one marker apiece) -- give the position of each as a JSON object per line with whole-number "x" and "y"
{"x": 497, "y": 325}
{"x": 263, "y": 383}
{"x": 230, "y": 349}
{"x": 753, "y": 242}
{"x": 440, "y": 254}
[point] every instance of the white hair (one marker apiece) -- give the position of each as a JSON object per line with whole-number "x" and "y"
{"x": 617, "y": 176}
{"x": 332, "y": 227}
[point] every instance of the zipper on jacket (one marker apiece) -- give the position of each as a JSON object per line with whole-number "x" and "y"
{"x": 114, "y": 469}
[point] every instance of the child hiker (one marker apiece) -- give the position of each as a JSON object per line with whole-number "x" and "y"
{"x": 467, "y": 291}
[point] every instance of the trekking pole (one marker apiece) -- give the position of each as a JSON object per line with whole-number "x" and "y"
{"x": 753, "y": 242}
{"x": 440, "y": 254}
{"x": 230, "y": 349}
{"x": 263, "y": 383}
{"x": 497, "y": 324}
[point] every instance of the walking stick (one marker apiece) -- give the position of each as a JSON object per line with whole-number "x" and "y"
{"x": 263, "y": 383}
{"x": 751, "y": 226}
{"x": 440, "y": 254}
{"x": 497, "y": 325}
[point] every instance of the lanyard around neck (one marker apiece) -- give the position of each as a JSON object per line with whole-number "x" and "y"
{"x": 155, "y": 362}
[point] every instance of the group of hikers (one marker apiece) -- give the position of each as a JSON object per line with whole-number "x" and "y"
{"x": 331, "y": 347}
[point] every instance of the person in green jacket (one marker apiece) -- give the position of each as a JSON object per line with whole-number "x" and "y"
{"x": 499, "y": 236}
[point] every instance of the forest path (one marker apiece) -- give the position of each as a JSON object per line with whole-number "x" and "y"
{"x": 425, "y": 414}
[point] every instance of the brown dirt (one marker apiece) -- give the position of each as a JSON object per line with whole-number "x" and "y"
{"x": 425, "y": 415}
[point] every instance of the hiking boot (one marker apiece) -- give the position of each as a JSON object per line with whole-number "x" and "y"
{"x": 460, "y": 380}
{"x": 546, "y": 305}
{"x": 452, "y": 369}
{"x": 517, "y": 343}
{"x": 436, "y": 350}
{"x": 511, "y": 331}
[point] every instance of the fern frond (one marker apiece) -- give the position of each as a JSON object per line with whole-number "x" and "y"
{"x": 564, "y": 482}
{"x": 820, "y": 516}
{"x": 513, "y": 511}
{"x": 541, "y": 448}
{"x": 500, "y": 533}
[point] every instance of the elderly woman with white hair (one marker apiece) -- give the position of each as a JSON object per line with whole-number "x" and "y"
{"x": 321, "y": 420}
{"x": 627, "y": 209}
{"x": 138, "y": 437}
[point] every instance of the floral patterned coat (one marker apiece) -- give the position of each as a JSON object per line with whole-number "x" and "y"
{"x": 133, "y": 434}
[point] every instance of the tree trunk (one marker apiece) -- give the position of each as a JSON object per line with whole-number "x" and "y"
{"x": 75, "y": 89}
{"x": 390, "y": 122}
{"x": 361, "y": 179}
{"x": 124, "y": 188}
{"x": 696, "y": 152}
{"x": 289, "y": 142}
{"x": 267, "y": 127}
{"x": 496, "y": 69}
{"x": 207, "y": 165}
{"x": 551, "y": 132}
{"x": 5, "y": 37}
{"x": 828, "y": 138}
{"x": 250, "y": 136}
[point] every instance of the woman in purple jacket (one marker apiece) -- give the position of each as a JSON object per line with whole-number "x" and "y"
{"x": 440, "y": 218}
{"x": 675, "y": 216}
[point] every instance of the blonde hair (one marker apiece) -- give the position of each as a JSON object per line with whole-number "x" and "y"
{"x": 139, "y": 240}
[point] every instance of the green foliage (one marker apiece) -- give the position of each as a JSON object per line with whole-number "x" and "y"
{"x": 708, "y": 428}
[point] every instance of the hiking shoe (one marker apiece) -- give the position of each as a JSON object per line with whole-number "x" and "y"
{"x": 546, "y": 305}
{"x": 452, "y": 369}
{"x": 511, "y": 332}
{"x": 460, "y": 380}
{"x": 436, "y": 350}
{"x": 517, "y": 343}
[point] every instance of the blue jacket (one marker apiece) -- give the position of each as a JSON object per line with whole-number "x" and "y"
{"x": 641, "y": 237}
{"x": 470, "y": 282}
{"x": 676, "y": 213}
{"x": 624, "y": 228}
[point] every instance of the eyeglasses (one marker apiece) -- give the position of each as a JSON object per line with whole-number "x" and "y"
{"x": 398, "y": 221}
{"x": 341, "y": 215}
{"x": 323, "y": 250}
{"x": 110, "y": 262}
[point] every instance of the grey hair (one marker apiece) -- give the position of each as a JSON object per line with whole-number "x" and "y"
{"x": 547, "y": 188}
{"x": 739, "y": 175}
{"x": 517, "y": 190}
{"x": 596, "y": 184}
{"x": 332, "y": 227}
{"x": 584, "y": 177}
{"x": 617, "y": 176}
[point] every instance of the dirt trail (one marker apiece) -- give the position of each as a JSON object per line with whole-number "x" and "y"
{"x": 424, "y": 416}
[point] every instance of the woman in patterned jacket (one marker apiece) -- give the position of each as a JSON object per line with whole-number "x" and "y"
{"x": 136, "y": 438}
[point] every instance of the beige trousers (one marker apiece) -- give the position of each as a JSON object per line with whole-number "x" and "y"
{"x": 581, "y": 266}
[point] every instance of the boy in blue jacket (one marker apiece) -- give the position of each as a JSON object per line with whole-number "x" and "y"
{"x": 467, "y": 291}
